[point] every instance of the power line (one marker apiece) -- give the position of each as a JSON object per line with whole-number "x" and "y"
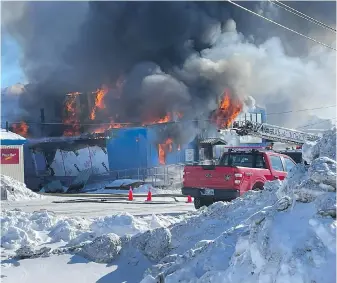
{"x": 300, "y": 110}
{"x": 289, "y": 29}
{"x": 300, "y": 14}
{"x": 142, "y": 123}
{"x": 321, "y": 122}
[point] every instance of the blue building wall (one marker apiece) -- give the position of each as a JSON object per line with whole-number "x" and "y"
{"x": 130, "y": 148}
{"x": 127, "y": 148}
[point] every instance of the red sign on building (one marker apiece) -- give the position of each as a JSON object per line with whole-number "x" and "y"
{"x": 10, "y": 155}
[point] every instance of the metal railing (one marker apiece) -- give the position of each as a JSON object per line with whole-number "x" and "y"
{"x": 169, "y": 176}
{"x": 165, "y": 177}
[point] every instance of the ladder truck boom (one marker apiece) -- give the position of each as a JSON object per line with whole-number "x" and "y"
{"x": 272, "y": 132}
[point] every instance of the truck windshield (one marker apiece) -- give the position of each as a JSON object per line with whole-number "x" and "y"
{"x": 243, "y": 160}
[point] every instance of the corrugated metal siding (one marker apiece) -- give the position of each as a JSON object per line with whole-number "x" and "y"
{"x": 130, "y": 148}
{"x": 127, "y": 148}
{"x": 15, "y": 171}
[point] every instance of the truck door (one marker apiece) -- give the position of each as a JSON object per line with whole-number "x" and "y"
{"x": 277, "y": 169}
{"x": 288, "y": 163}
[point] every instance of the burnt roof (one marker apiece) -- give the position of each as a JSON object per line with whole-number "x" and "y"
{"x": 67, "y": 143}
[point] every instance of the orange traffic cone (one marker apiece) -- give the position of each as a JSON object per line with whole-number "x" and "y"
{"x": 130, "y": 194}
{"x": 149, "y": 195}
{"x": 189, "y": 199}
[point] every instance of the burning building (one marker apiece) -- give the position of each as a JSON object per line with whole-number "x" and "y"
{"x": 129, "y": 71}
{"x": 153, "y": 142}
{"x": 146, "y": 147}
{"x": 114, "y": 81}
{"x": 109, "y": 155}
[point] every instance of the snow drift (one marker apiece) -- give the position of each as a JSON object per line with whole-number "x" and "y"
{"x": 286, "y": 233}
{"x": 19, "y": 229}
{"x": 103, "y": 249}
{"x": 16, "y": 190}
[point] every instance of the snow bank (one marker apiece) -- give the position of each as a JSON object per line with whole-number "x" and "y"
{"x": 154, "y": 244}
{"x": 325, "y": 147}
{"x": 286, "y": 233}
{"x": 120, "y": 224}
{"x": 20, "y": 228}
{"x": 16, "y": 190}
{"x": 103, "y": 249}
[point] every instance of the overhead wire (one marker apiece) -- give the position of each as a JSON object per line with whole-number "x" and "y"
{"x": 169, "y": 122}
{"x": 312, "y": 124}
{"x": 276, "y": 2}
{"x": 282, "y": 26}
{"x": 302, "y": 15}
{"x": 301, "y": 110}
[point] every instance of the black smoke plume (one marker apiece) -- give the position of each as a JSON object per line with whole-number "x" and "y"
{"x": 169, "y": 56}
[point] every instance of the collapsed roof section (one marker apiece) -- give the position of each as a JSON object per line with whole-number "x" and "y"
{"x": 67, "y": 143}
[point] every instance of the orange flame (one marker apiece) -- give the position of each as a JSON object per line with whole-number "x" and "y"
{"x": 161, "y": 154}
{"x": 100, "y": 94}
{"x": 71, "y": 120}
{"x": 99, "y": 101}
{"x": 162, "y": 149}
{"x": 112, "y": 125}
{"x": 20, "y": 129}
{"x": 164, "y": 119}
{"x": 229, "y": 109}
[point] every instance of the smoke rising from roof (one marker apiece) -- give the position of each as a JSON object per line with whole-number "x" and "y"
{"x": 171, "y": 56}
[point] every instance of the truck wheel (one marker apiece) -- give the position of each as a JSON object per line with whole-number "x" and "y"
{"x": 197, "y": 203}
{"x": 258, "y": 187}
{"x": 200, "y": 202}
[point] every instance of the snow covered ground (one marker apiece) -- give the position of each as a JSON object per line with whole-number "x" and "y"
{"x": 285, "y": 233}
{"x": 57, "y": 235}
{"x": 15, "y": 190}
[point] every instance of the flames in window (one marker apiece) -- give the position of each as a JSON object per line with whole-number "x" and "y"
{"x": 163, "y": 149}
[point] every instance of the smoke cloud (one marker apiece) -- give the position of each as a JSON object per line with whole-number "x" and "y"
{"x": 172, "y": 57}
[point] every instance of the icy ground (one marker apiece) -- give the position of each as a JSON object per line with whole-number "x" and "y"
{"x": 142, "y": 189}
{"x": 283, "y": 234}
{"x": 158, "y": 187}
{"x": 92, "y": 207}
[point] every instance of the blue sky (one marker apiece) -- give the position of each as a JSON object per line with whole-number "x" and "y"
{"x": 11, "y": 72}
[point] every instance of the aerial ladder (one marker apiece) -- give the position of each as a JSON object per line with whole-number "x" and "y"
{"x": 272, "y": 132}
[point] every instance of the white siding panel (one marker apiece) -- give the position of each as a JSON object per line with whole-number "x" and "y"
{"x": 15, "y": 171}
